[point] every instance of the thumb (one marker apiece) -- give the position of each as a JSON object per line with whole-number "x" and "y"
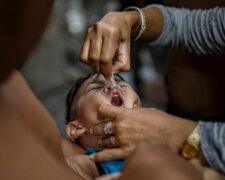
{"x": 108, "y": 154}
{"x": 109, "y": 111}
{"x": 123, "y": 58}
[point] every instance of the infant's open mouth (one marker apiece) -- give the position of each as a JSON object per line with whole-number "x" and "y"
{"x": 116, "y": 97}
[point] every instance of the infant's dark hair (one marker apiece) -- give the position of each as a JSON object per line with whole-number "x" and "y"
{"x": 72, "y": 93}
{"x": 70, "y": 96}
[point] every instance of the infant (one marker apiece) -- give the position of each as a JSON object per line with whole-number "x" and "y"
{"x": 83, "y": 102}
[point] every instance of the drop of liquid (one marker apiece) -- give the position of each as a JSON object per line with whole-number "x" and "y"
{"x": 113, "y": 82}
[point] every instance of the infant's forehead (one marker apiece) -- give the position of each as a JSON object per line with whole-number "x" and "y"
{"x": 94, "y": 77}
{"x": 99, "y": 77}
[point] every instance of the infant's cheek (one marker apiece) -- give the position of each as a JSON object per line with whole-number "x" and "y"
{"x": 103, "y": 100}
{"x": 128, "y": 105}
{"x": 128, "y": 102}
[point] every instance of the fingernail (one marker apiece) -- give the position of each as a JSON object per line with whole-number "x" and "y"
{"x": 91, "y": 131}
{"x": 108, "y": 76}
{"x": 92, "y": 157}
{"x": 100, "y": 142}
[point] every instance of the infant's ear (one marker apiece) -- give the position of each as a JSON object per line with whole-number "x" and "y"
{"x": 75, "y": 130}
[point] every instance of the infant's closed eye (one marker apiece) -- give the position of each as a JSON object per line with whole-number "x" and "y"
{"x": 96, "y": 88}
{"x": 123, "y": 85}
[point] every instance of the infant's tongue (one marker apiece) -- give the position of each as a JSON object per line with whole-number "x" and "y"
{"x": 116, "y": 100}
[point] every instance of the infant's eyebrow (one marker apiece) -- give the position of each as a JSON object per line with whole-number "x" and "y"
{"x": 95, "y": 79}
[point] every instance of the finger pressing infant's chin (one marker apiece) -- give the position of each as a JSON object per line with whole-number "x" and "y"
{"x": 97, "y": 129}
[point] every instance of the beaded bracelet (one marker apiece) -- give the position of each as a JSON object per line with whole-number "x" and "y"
{"x": 143, "y": 20}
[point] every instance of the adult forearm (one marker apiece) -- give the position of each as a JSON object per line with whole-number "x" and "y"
{"x": 196, "y": 31}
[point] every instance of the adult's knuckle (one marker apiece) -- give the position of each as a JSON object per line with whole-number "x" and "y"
{"x": 104, "y": 59}
{"x": 93, "y": 57}
{"x": 113, "y": 31}
{"x": 96, "y": 130}
{"x": 83, "y": 58}
{"x": 90, "y": 29}
{"x": 98, "y": 26}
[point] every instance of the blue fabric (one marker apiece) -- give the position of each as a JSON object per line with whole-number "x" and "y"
{"x": 108, "y": 167}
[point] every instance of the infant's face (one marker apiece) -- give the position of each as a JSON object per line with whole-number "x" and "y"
{"x": 94, "y": 92}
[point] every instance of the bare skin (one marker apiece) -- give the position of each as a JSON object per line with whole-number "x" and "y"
{"x": 84, "y": 109}
{"x": 187, "y": 81}
{"x": 133, "y": 126}
{"x": 144, "y": 163}
{"x": 84, "y": 113}
{"x": 30, "y": 141}
{"x": 111, "y": 37}
{"x": 162, "y": 164}
{"x": 194, "y": 79}
{"x": 119, "y": 28}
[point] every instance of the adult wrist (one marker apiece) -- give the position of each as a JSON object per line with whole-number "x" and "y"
{"x": 154, "y": 23}
{"x": 135, "y": 21}
{"x": 180, "y": 133}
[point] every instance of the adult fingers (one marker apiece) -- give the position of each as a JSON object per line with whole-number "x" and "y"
{"x": 113, "y": 176}
{"x": 123, "y": 57}
{"x": 108, "y": 154}
{"x": 109, "y": 111}
{"x": 85, "y": 49}
{"x": 94, "y": 54}
{"x": 104, "y": 128}
{"x": 109, "y": 47}
{"x": 108, "y": 142}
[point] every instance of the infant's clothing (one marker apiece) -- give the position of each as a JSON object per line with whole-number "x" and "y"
{"x": 107, "y": 167}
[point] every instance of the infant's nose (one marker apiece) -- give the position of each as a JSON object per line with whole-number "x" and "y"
{"x": 108, "y": 88}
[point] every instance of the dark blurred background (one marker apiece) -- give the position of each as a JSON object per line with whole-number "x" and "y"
{"x": 54, "y": 65}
